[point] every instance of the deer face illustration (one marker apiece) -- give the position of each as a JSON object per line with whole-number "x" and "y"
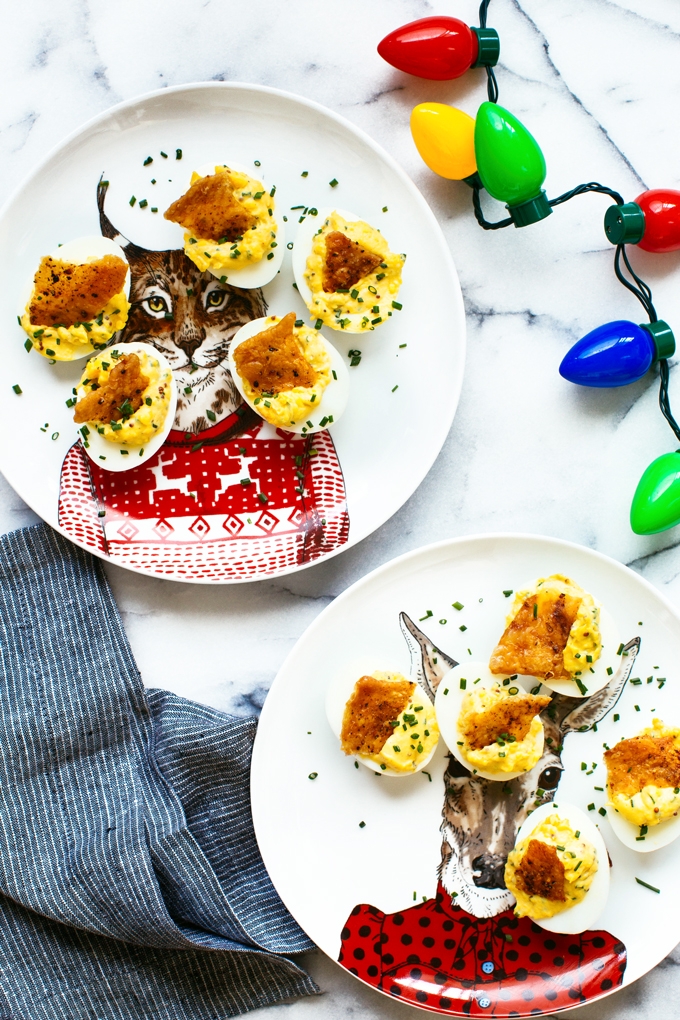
{"x": 481, "y": 817}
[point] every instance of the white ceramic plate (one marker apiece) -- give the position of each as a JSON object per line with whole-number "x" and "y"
{"x": 392, "y": 431}
{"x": 324, "y": 863}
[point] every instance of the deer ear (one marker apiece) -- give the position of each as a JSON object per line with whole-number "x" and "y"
{"x": 588, "y": 711}
{"x": 428, "y": 664}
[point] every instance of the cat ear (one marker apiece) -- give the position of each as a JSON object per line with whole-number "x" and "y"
{"x": 106, "y": 226}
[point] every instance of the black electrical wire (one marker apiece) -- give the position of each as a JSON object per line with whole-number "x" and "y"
{"x": 635, "y": 285}
{"x": 641, "y": 290}
{"x": 491, "y": 83}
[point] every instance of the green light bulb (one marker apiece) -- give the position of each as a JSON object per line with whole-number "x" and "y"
{"x": 656, "y": 503}
{"x": 510, "y": 164}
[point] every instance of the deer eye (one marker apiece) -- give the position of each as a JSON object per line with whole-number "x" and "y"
{"x": 549, "y": 778}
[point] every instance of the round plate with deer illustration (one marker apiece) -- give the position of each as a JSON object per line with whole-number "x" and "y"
{"x": 227, "y": 497}
{"x": 401, "y": 880}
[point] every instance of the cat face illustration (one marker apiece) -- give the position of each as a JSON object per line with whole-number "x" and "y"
{"x": 191, "y": 318}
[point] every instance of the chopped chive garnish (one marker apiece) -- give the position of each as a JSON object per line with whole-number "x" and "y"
{"x": 312, "y": 775}
{"x": 427, "y": 616}
{"x": 17, "y": 388}
{"x": 457, "y": 605}
{"x": 397, "y": 305}
{"x": 133, "y": 200}
{"x": 149, "y": 159}
{"x": 305, "y": 173}
{"x": 178, "y": 153}
{"x": 463, "y": 683}
{"x": 652, "y": 888}
{"x": 535, "y": 610}
{"x": 28, "y": 345}
{"x": 211, "y": 415}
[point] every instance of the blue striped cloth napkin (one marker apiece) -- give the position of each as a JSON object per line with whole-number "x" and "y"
{"x": 130, "y": 880}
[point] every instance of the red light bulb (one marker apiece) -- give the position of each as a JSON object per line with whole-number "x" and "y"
{"x": 661, "y": 208}
{"x": 652, "y": 221}
{"x": 439, "y": 48}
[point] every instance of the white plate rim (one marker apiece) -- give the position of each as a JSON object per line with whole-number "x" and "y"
{"x": 258, "y": 759}
{"x": 459, "y": 324}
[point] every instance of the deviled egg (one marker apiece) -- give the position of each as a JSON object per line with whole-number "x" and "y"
{"x": 125, "y": 405}
{"x": 558, "y": 870}
{"x": 289, "y": 373}
{"x": 559, "y": 633}
{"x": 643, "y": 787}
{"x": 491, "y": 725}
{"x": 230, "y": 226}
{"x": 385, "y": 721}
{"x": 345, "y": 272}
{"x": 79, "y": 298}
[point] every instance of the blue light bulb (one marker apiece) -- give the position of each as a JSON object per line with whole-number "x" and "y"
{"x": 617, "y": 353}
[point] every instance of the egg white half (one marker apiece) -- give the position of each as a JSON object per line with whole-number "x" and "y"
{"x": 79, "y": 251}
{"x": 448, "y": 707}
{"x": 301, "y": 250}
{"x": 583, "y": 915}
{"x": 99, "y": 447}
{"x": 609, "y": 660}
{"x": 337, "y": 696}
{"x": 334, "y": 399}
{"x": 262, "y": 272}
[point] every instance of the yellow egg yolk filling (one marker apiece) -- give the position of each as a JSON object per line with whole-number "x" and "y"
{"x": 258, "y": 242}
{"x": 653, "y": 803}
{"x": 370, "y": 301}
{"x": 143, "y": 424}
{"x": 584, "y": 644}
{"x": 578, "y": 860}
{"x": 64, "y": 343}
{"x": 503, "y": 755}
{"x": 415, "y": 734}
{"x": 291, "y": 406}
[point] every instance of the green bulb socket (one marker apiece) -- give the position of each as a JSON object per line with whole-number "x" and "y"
{"x": 489, "y": 47}
{"x": 662, "y": 335}
{"x": 473, "y": 180}
{"x": 530, "y": 212}
{"x": 624, "y": 224}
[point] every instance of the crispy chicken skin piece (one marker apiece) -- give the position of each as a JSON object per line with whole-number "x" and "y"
{"x": 513, "y": 716}
{"x": 642, "y": 761}
{"x": 346, "y": 262}
{"x": 272, "y": 361}
{"x": 541, "y": 872}
{"x": 533, "y": 643}
{"x": 373, "y": 706}
{"x": 119, "y": 397}
{"x": 65, "y": 294}
{"x": 210, "y": 210}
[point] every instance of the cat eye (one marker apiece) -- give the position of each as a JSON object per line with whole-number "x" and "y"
{"x": 215, "y": 298}
{"x": 155, "y": 304}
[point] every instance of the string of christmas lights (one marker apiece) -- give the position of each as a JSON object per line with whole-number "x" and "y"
{"x": 494, "y": 152}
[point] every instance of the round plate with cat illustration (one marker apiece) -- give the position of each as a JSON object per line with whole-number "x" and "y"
{"x": 401, "y": 879}
{"x": 227, "y": 497}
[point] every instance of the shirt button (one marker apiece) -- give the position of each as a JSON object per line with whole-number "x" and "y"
{"x": 487, "y": 967}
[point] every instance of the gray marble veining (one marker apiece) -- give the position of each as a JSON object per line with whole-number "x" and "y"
{"x": 596, "y": 81}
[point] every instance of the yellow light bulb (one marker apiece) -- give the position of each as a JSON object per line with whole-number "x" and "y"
{"x": 445, "y": 139}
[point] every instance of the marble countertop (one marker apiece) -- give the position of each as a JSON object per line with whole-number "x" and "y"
{"x": 596, "y": 81}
